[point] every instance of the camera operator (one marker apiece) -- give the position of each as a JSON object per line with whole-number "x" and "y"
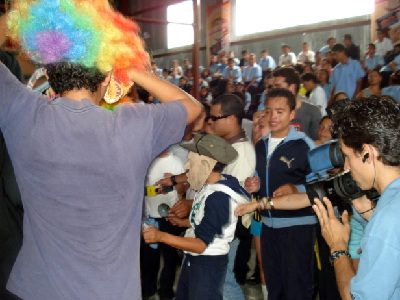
{"x": 369, "y": 134}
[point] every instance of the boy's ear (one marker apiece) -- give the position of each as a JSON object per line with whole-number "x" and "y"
{"x": 292, "y": 114}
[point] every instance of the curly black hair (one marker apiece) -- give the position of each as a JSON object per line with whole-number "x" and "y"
{"x": 371, "y": 120}
{"x": 65, "y": 76}
{"x": 291, "y": 76}
{"x": 283, "y": 93}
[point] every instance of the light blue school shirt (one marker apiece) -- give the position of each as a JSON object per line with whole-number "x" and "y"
{"x": 236, "y": 71}
{"x": 268, "y": 62}
{"x": 344, "y": 77}
{"x": 213, "y": 68}
{"x": 373, "y": 62}
{"x": 392, "y": 91}
{"x": 387, "y": 68}
{"x": 250, "y": 72}
{"x": 378, "y": 275}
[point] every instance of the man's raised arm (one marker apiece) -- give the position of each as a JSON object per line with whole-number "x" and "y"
{"x": 166, "y": 92}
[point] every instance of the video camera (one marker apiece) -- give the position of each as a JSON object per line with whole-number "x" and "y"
{"x": 340, "y": 189}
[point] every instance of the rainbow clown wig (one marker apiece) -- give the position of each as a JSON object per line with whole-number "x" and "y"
{"x": 86, "y": 32}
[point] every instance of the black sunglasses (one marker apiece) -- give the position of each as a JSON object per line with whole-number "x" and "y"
{"x": 214, "y": 118}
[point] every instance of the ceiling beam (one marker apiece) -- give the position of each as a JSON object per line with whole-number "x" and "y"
{"x": 148, "y": 9}
{"x": 157, "y": 21}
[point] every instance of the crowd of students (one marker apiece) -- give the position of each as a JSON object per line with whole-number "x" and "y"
{"x": 370, "y": 75}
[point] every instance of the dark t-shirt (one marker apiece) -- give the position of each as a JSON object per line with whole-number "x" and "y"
{"x": 353, "y": 51}
{"x": 9, "y": 60}
{"x": 307, "y": 120}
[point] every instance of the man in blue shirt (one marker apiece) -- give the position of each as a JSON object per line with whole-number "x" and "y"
{"x": 372, "y": 60}
{"x": 232, "y": 72}
{"x": 252, "y": 75}
{"x": 369, "y": 133}
{"x": 348, "y": 73}
{"x": 330, "y": 42}
{"x": 267, "y": 63}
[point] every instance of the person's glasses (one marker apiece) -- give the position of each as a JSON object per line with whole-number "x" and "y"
{"x": 214, "y": 118}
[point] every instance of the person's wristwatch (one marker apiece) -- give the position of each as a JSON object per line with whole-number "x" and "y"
{"x": 173, "y": 180}
{"x": 337, "y": 254}
{"x": 271, "y": 203}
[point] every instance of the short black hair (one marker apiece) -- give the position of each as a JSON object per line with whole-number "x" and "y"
{"x": 339, "y": 48}
{"x": 241, "y": 96}
{"x": 283, "y": 93}
{"x": 291, "y": 76}
{"x": 376, "y": 69}
{"x": 347, "y": 36}
{"x": 324, "y": 118}
{"x": 371, "y": 120}
{"x": 230, "y": 105}
{"x": 219, "y": 167}
{"x": 65, "y": 76}
{"x": 372, "y": 45}
{"x": 309, "y": 76}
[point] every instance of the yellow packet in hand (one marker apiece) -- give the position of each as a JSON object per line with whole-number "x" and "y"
{"x": 150, "y": 191}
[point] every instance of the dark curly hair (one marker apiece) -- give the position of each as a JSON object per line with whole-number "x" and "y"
{"x": 283, "y": 93}
{"x": 291, "y": 76}
{"x": 65, "y": 76}
{"x": 372, "y": 120}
